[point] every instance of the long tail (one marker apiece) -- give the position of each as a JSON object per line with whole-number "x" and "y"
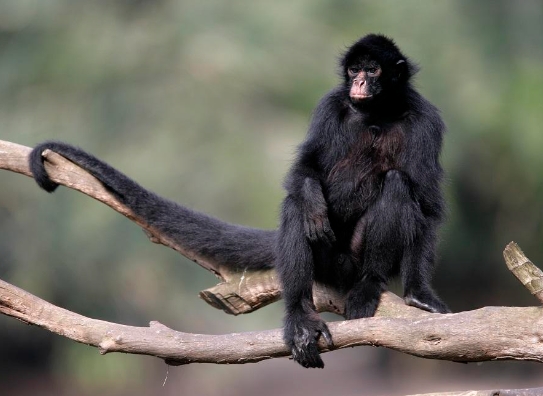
{"x": 207, "y": 237}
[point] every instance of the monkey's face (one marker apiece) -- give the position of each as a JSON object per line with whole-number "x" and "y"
{"x": 374, "y": 67}
{"x": 363, "y": 77}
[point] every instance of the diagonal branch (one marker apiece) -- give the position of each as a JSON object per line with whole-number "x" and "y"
{"x": 233, "y": 296}
{"x": 14, "y": 157}
{"x": 525, "y": 271}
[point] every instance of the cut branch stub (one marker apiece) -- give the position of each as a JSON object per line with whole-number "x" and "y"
{"x": 247, "y": 291}
{"x": 243, "y": 292}
{"x": 526, "y": 271}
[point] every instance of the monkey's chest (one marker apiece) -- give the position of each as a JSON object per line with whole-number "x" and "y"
{"x": 355, "y": 180}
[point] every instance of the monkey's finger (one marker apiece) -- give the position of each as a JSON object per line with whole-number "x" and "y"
{"x": 328, "y": 232}
{"x": 309, "y": 229}
{"x": 325, "y": 333}
{"x": 313, "y": 234}
{"x": 330, "y": 236}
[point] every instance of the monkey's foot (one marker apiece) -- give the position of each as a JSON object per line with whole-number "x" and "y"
{"x": 426, "y": 301}
{"x": 363, "y": 299}
{"x": 302, "y": 333}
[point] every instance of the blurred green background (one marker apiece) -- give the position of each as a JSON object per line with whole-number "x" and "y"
{"x": 204, "y": 102}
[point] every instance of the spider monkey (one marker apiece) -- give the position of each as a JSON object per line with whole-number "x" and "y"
{"x": 363, "y": 196}
{"x": 363, "y": 199}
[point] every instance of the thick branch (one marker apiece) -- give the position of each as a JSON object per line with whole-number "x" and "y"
{"x": 485, "y": 334}
{"x": 493, "y": 392}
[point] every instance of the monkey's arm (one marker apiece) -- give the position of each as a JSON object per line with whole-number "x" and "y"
{"x": 304, "y": 224}
{"x": 315, "y": 213}
{"x": 303, "y": 185}
{"x": 424, "y": 174}
{"x": 423, "y": 168}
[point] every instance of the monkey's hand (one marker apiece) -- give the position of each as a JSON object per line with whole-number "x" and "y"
{"x": 317, "y": 227}
{"x": 315, "y": 213}
{"x": 302, "y": 333}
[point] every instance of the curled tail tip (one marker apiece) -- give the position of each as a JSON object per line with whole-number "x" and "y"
{"x": 46, "y": 183}
{"x": 38, "y": 169}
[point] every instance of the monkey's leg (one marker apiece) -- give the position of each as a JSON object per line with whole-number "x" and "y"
{"x": 295, "y": 267}
{"x": 416, "y": 268}
{"x": 378, "y": 241}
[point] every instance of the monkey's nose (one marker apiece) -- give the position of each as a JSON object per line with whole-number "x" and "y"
{"x": 359, "y": 82}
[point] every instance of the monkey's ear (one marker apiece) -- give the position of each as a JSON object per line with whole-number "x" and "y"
{"x": 401, "y": 69}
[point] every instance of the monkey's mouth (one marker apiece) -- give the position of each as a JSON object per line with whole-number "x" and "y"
{"x": 360, "y": 97}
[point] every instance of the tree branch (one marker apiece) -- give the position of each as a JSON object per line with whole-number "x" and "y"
{"x": 490, "y": 333}
{"x": 493, "y": 392}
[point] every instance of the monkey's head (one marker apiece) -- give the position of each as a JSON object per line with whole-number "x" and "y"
{"x": 374, "y": 66}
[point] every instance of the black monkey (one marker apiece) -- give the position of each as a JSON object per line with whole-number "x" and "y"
{"x": 363, "y": 196}
{"x": 363, "y": 199}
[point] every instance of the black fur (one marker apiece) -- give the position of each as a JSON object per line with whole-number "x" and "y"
{"x": 363, "y": 196}
{"x": 363, "y": 200}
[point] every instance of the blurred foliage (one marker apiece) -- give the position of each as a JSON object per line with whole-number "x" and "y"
{"x": 204, "y": 102}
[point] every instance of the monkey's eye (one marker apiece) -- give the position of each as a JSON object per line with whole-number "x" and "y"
{"x": 353, "y": 71}
{"x": 373, "y": 71}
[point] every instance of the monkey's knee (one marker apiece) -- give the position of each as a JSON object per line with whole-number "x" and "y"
{"x": 396, "y": 187}
{"x": 395, "y": 178}
{"x": 394, "y": 174}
